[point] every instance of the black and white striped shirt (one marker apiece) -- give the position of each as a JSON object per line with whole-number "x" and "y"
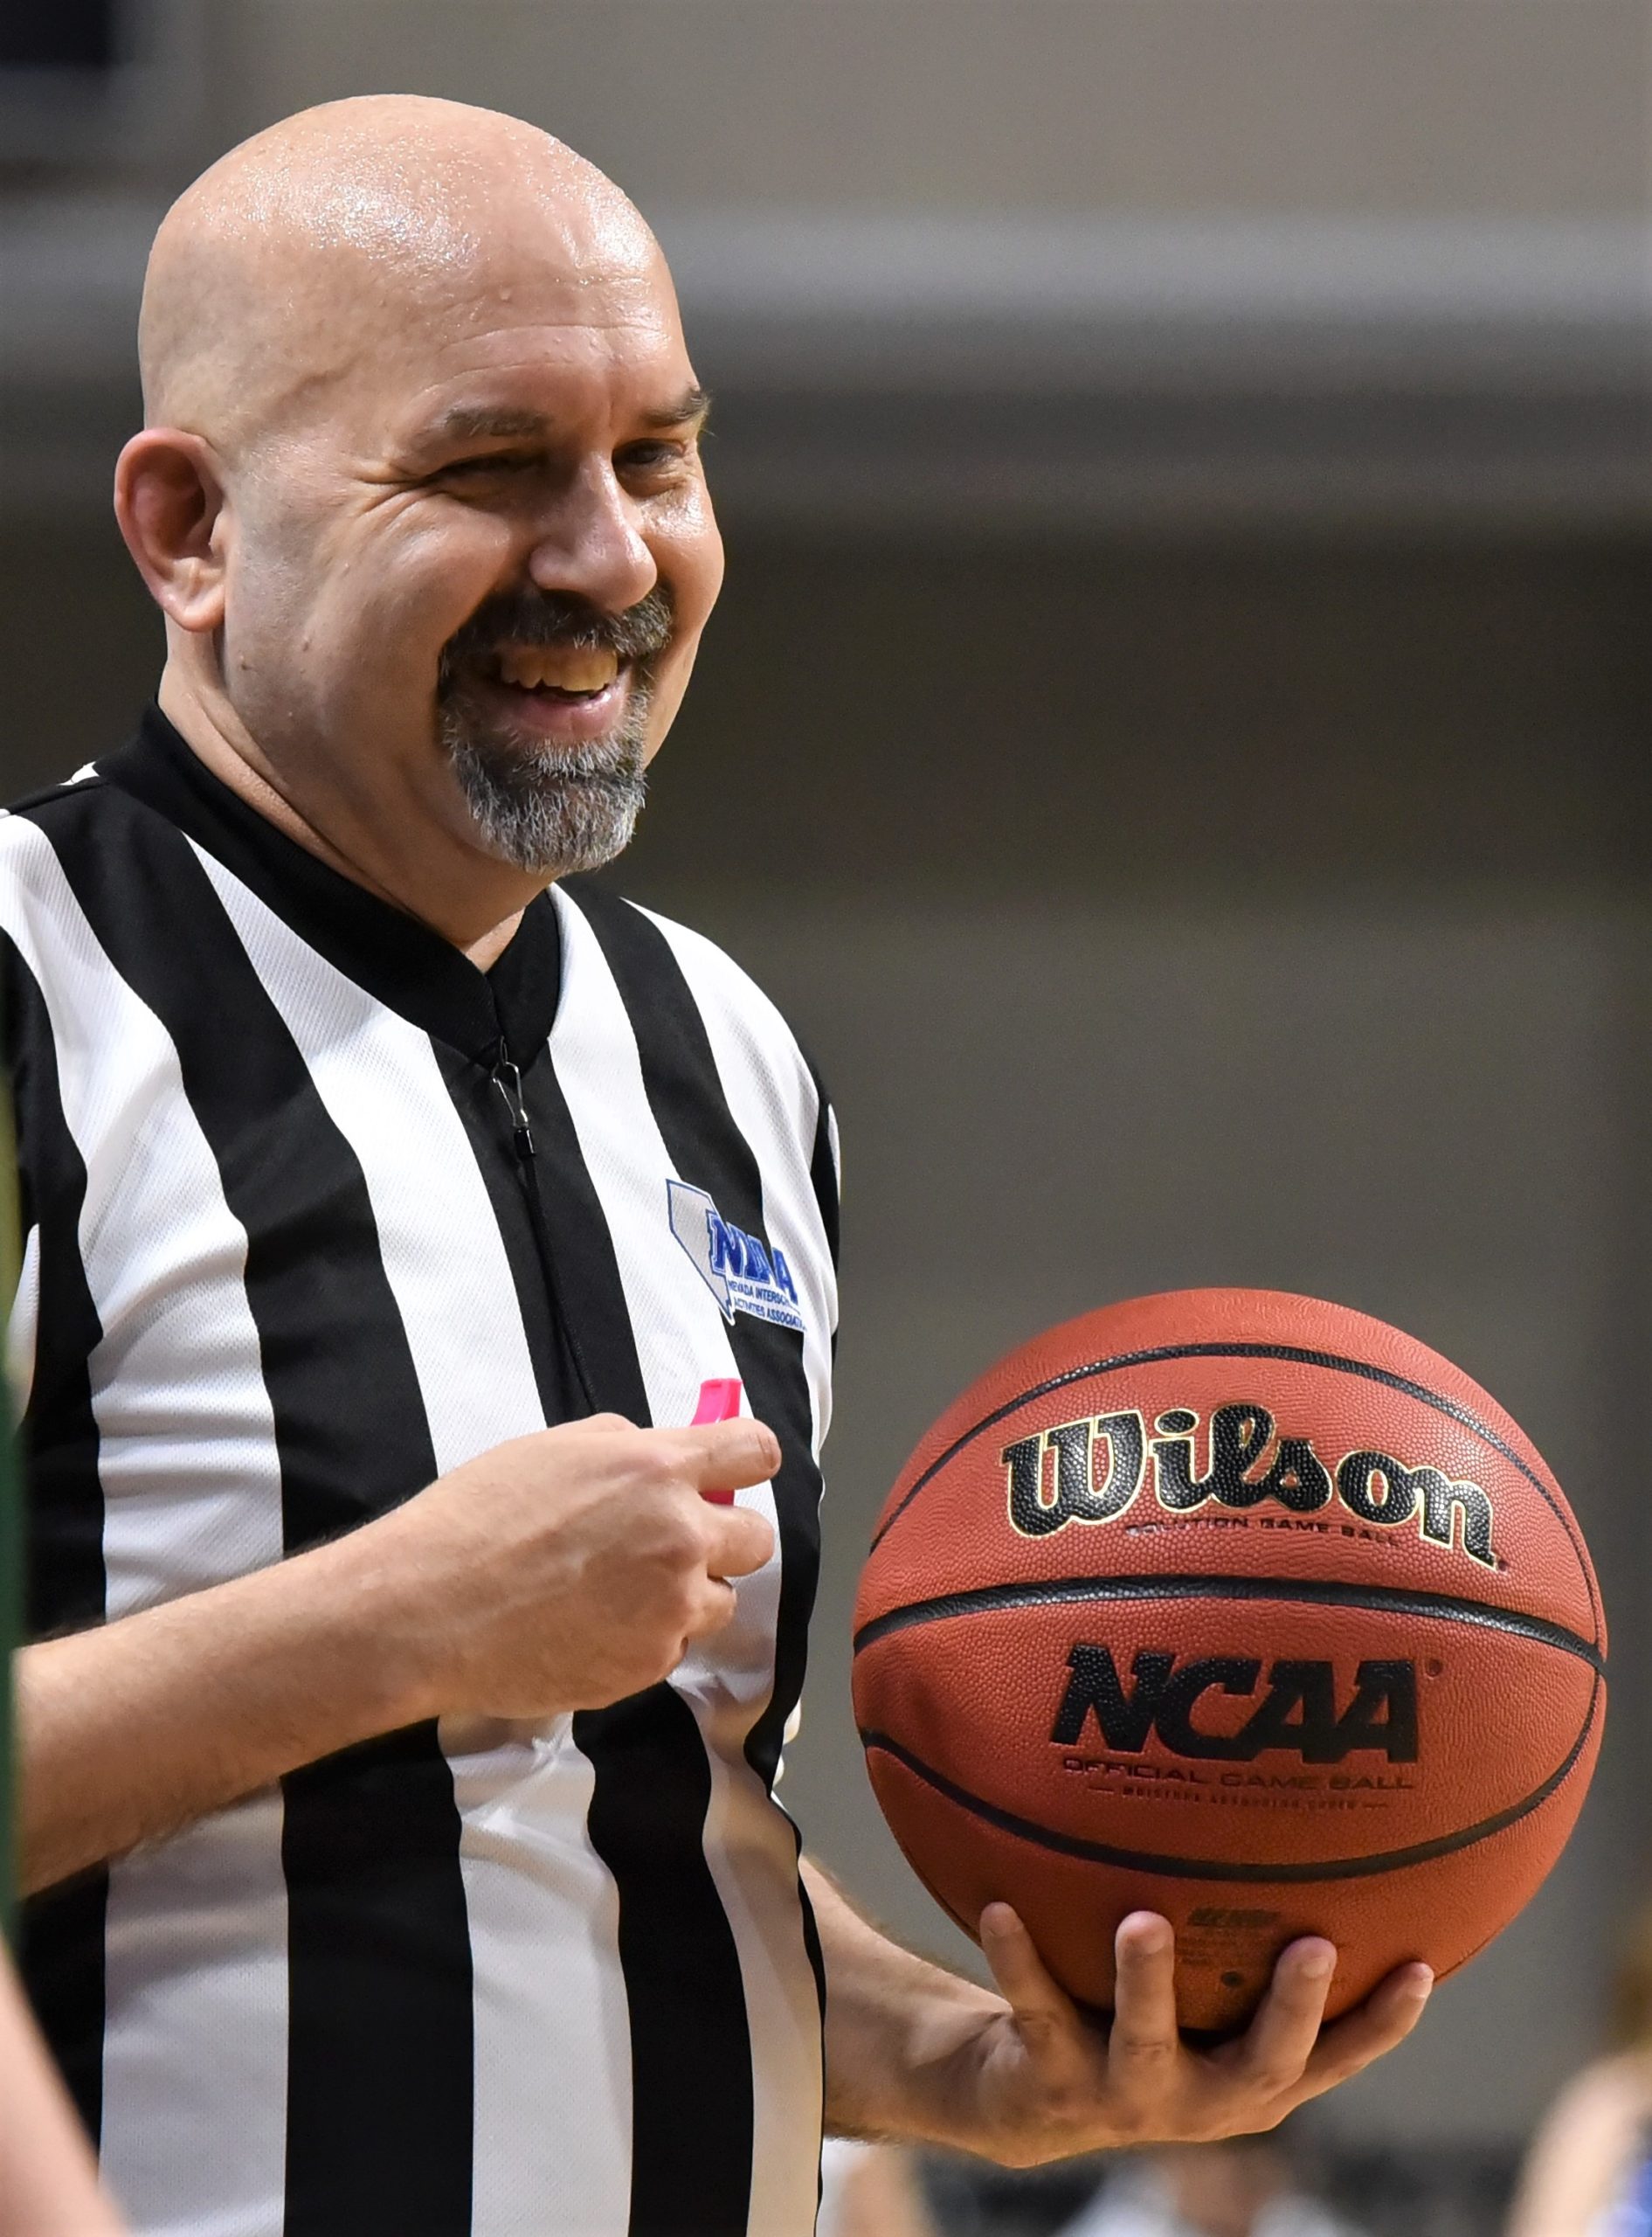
{"x": 291, "y": 1253}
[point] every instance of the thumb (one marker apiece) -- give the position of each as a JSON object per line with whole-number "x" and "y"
{"x": 727, "y": 1455}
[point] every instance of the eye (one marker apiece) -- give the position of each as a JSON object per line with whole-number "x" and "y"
{"x": 655, "y": 457}
{"x": 485, "y": 462}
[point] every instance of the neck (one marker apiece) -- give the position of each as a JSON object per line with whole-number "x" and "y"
{"x": 406, "y": 858}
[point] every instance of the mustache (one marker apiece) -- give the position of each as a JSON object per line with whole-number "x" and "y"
{"x": 557, "y": 617}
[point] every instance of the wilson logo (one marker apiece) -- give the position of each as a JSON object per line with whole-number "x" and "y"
{"x": 1093, "y": 1471}
{"x": 1299, "y": 1712}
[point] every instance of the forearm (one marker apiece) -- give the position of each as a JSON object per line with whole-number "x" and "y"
{"x": 132, "y": 1730}
{"x": 900, "y": 2033}
{"x": 562, "y": 1570}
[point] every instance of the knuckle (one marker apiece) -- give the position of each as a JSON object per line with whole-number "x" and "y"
{"x": 671, "y": 1539}
{"x": 1132, "y": 2123}
{"x": 1273, "y": 2077}
{"x": 664, "y": 1650}
{"x": 673, "y": 1596}
{"x": 681, "y": 1539}
{"x": 653, "y": 1467}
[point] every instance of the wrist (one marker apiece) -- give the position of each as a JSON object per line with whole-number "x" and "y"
{"x": 365, "y": 1591}
{"x": 923, "y": 2083}
{"x": 946, "y": 2032}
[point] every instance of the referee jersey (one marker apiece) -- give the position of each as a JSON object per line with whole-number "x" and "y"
{"x": 315, "y": 1210}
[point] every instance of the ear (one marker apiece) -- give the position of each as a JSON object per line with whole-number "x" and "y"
{"x": 169, "y": 501}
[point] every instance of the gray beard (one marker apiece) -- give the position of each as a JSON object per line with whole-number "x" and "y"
{"x": 552, "y": 811}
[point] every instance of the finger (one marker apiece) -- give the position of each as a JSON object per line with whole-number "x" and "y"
{"x": 1270, "y": 2056}
{"x": 1045, "y": 2015}
{"x": 736, "y": 1540}
{"x": 1143, "y": 2040}
{"x": 724, "y": 1456}
{"x": 1385, "y": 2018}
{"x": 715, "y": 1612}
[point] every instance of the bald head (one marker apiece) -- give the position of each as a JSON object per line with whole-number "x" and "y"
{"x": 421, "y": 495}
{"x": 349, "y": 228}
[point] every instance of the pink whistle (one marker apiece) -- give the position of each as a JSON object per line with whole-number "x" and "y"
{"x": 719, "y": 1401}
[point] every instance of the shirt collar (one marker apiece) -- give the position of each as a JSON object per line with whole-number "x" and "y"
{"x": 396, "y": 959}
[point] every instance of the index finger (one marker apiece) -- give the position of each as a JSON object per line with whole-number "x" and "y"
{"x": 737, "y": 1542}
{"x": 1045, "y": 2017}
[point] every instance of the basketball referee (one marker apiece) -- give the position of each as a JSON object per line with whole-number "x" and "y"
{"x": 401, "y": 1727}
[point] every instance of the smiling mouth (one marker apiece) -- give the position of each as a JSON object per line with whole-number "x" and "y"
{"x": 556, "y": 671}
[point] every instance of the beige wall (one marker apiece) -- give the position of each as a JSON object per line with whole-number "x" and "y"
{"x": 1518, "y": 107}
{"x": 1097, "y": 264}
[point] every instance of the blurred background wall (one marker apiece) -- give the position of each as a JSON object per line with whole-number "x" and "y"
{"x": 1178, "y": 735}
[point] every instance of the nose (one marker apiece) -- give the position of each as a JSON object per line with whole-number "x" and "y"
{"x": 592, "y": 546}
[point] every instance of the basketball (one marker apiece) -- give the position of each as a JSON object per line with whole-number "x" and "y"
{"x": 1239, "y": 1607}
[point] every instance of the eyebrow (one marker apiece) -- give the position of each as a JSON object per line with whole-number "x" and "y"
{"x": 482, "y": 422}
{"x": 695, "y": 403}
{"x": 470, "y": 422}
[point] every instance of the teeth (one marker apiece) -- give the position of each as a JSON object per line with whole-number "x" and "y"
{"x": 530, "y": 666}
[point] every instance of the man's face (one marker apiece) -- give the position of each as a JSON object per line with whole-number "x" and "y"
{"x": 475, "y": 568}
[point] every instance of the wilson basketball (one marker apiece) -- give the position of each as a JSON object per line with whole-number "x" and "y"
{"x": 1242, "y": 1608}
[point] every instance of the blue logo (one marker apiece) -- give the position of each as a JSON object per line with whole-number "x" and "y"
{"x": 740, "y": 1270}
